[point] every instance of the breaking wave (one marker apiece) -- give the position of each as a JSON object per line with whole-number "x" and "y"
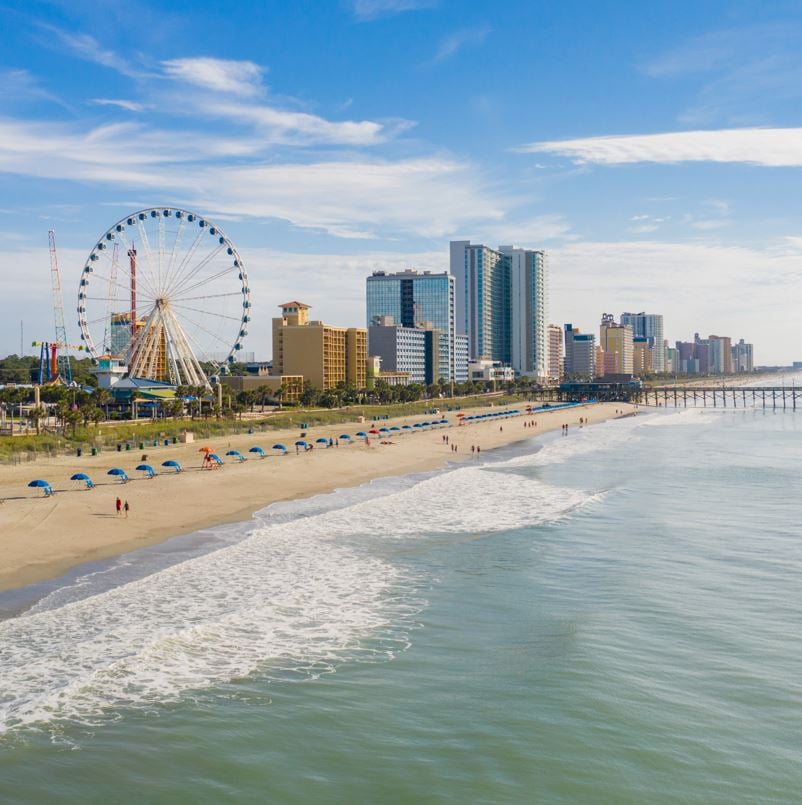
{"x": 311, "y": 584}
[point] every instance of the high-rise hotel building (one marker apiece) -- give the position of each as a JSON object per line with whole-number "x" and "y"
{"x": 502, "y": 304}
{"x": 418, "y": 299}
{"x": 650, "y": 327}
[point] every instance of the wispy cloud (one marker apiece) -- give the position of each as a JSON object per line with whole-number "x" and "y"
{"x": 456, "y": 41}
{"x": 88, "y": 48}
{"x": 21, "y": 85}
{"x": 120, "y": 103}
{"x": 354, "y": 197}
{"x": 768, "y": 147}
{"x": 642, "y": 223}
{"x": 744, "y": 74}
{"x": 219, "y": 75}
{"x": 373, "y": 9}
{"x": 221, "y": 79}
{"x": 291, "y": 127}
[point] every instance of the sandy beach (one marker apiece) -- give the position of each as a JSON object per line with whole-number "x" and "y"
{"x": 44, "y": 537}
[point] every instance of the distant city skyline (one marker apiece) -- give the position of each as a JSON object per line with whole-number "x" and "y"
{"x": 652, "y": 153}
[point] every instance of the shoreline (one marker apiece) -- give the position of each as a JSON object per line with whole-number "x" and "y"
{"x": 45, "y": 538}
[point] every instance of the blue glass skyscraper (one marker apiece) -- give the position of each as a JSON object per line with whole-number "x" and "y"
{"x": 417, "y": 299}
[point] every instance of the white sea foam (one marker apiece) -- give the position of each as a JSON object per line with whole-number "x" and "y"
{"x": 278, "y": 599}
{"x": 298, "y": 595}
{"x": 582, "y": 441}
{"x": 687, "y": 416}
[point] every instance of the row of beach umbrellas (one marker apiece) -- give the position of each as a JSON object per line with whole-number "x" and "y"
{"x": 278, "y": 448}
{"x": 492, "y": 415}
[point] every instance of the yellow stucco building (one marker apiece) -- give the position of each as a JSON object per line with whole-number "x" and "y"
{"x": 323, "y": 354}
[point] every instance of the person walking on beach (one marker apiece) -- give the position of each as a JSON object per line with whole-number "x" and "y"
{"x": 119, "y": 506}
{"x": 126, "y": 507}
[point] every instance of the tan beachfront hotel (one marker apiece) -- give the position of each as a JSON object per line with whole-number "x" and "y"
{"x": 323, "y": 354}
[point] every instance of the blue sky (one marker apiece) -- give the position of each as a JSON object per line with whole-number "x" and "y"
{"x": 653, "y": 150}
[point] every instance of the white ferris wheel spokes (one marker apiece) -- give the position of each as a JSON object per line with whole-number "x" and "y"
{"x": 165, "y": 292}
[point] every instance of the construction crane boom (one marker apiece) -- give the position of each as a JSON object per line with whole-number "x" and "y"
{"x": 64, "y": 370}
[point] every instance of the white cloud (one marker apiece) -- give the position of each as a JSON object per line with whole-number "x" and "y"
{"x": 644, "y": 223}
{"x": 120, "y": 103}
{"x": 756, "y": 290}
{"x": 757, "y": 146}
{"x": 219, "y": 75}
{"x": 284, "y": 126}
{"x": 373, "y": 9}
{"x": 529, "y": 233}
{"x": 243, "y": 79}
{"x": 355, "y": 197}
{"x": 87, "y": 47}
{"x": 456, "y": 41}
{"x": 430, "y": 197}
{"x": 21, "y": 85}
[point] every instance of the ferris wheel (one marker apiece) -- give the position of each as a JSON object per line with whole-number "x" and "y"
{"x": 165, "y": 292}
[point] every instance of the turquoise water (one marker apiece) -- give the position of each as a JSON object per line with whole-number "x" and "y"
{"x": 614, "y": 616}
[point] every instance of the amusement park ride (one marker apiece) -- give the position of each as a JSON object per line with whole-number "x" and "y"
{"x": 54, "y": 363}
{"x": 175, "y": 314}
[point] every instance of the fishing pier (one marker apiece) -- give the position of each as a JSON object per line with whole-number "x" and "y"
{"x": 775, "y": 398}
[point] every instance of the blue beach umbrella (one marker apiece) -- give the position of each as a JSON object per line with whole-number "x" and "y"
{"x": 395, "y": 427}
{"x": 43, "y": 485}
{"x": 384, "y": 430}
{"x": 362, "y": 434}
{"x": 172, "y": 463}
{"x": 406, "y": 427}
{"x": 301, "y": 443}
{"x": 82, "y": 476}
{"x": 217, "y": 460}
{"x": 260, "y": 451}
{"x": 321, "y": 440}
{"x": 282, "y": 448}
{"x": 345, "y": 437}
{"x": 146, "y": 468}
{"x": 118, "y": 473}
{"x": 236, "y": 454}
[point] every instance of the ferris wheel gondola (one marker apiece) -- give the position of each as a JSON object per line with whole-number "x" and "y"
{"x": 165, "y": 291}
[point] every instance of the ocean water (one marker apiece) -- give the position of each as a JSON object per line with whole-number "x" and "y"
{"x": 614, "y": 616}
